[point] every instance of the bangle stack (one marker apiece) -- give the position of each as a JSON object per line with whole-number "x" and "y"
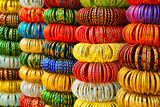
{"x": 31, "y": 72}
{"x": 141, "y": 57}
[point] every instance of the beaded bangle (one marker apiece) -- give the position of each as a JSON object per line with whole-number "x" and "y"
{"x": 97, "y": 52}
{"x": 26, "y": 101}
{"x": 99, "y": 34}
{"x": 10, "y": 99}
{"x": 58, "y": 65}
{"x": 32, "y": 89}
{"x": 101, "y": 16}
{"x": 10, "y": 86}
{"x": 58, "y": 82}
{"x": 60, "y": 16}
{"x": 95, "y": 92}
{"x": 31, "y": 45}
{"x": 59, "y": 32}
{"x": 32, "y": 30}
{"x": 32, "y": 3}
{"x": 82, "y": 103}
{"x": 9, "y": 62}
{"x": 106, "y": 72}
{"x": 31, "y": 60}
{"x": 134, "y": 2}
{"x": 55, "y": 98}
{"x": 30, "y": 75}
{"x": 9, "y": 74}
{"x": 130, "y": 99}
{"x": 61, "y": 50}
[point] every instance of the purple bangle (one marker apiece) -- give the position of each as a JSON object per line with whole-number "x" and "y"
{"x": 136, "y": 13}
{"x": 157, "y": 14}
{"x": 128, "y": 13}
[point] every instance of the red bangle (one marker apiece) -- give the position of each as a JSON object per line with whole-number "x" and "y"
{"x": 135, "y": 2}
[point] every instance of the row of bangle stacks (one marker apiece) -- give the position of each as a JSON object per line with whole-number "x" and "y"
{"x": 9, "y": 53}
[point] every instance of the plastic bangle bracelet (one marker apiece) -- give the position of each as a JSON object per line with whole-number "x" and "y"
{"x": 82, "y": 103}
{"x": 32, "y": 4}
{"x": 12, "y": 99}
{"x": 32, "y": 89}
{"x": 61, "y": 50}
{"x": 30, "y": 101}
{"x": 135, "y": 2}
{"x": 58, "y": 82}
{"x": 97, "y": 52}
{"x": 131, "y": 99}
{"x": 56, "y": 98}
{"x": 58, "y": 65}
{"x": 32, "y": 30}
{"x": 95, "y": 16}
{"x": 60, "y": 16}
{"x": 31, "y": 60}
{"x": 30, "y": 75}
{"x": 9, "y": 74}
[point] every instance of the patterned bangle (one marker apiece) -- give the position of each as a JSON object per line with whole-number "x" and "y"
{"x": 9, "y": 74}
{"x": 134, "y": 2}
{"x": 32, "y": 4}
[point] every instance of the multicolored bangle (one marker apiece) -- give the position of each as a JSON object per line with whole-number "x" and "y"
{"x": 32, "y": 3}
{"x": 9, "y": 74}
{"x": 135, "y": 2}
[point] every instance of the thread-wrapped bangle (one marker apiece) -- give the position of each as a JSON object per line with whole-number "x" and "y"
{"x": 99, "y": 34}
{"x": 85, "y": 52}
{"x": 32, "y": 30}
{"x": 30, "y": 74}
{"x": 59, "y": 32}
{"x": 82, "y": 103}
{"x": 101, "y": 16}
{"x": 58, "y": 82}
{"x": 135, "y": 2}
{"x": 60, "y": 16}
{"x": 9, "y": 62}
{"x": 128, "y": 99}
{"x": 55, "y": 98}
{"x": 61, "y": 50}
{"x": 31, "y": 45}
{"x": 9, "y": 74}
{"x": 140, "y": 57}
{"x": 10, "y": 99}
{"x": 34, "y": 15}
{"x": 58, "y": 65}
{"x": 32, "y": 3}
{"x": 96, "y": 72}
{"x": 31, "y": 60}
{"x": 26, "y": 101}
{"x": 31, "y": 89}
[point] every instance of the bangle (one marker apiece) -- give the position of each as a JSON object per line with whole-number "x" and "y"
{"x": 32, "y": 3}
{"x": 30, "y": 74}
{"x": 48, "y": 106}
{"x": 31, "y": 89}
{"x": 12, "y": 99}
{"x": 10, "y": 86}
{"x": 82, "y": 103}
{"x": 9, "y": 74}
{"x": 56, "y": 98}
{"x": 25, "y": 101}
{"x": 31, "y": 45}
{"x": 58, "y": 65}
{"x": 125, "y": 99}
{"x": 85, "y": 52}
{"x": 135, "y": 2}
{"x": 31, "y": 60}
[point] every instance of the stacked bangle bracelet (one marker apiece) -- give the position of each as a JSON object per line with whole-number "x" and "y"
{"x": 143, "y": 34}
{"x": 34, "y": 15}
{"x": 96, "y": 72}
{"x": 32, "y": 30}
{"x": 60, "y": 16}
{"x": 48, "y": 106}
{"x": 32, "y": 3}
{"x": 85, "y": 52}
{"x": 31, "y": 89}
{"x": 10, "y": 99}
{"x": 101, "y": 16}
{"x": 59, "y": 32}
{"x": 30, "y": 74}
{"x": 60, "y": 99}
{"x": 82, "y": 103}
{"x": 31, "y": 60}
{"x": 99, "y": 92}
{"x": 26, "y": 101}
{"x": 31, "y": 45}
{"x": 141, "y": 57}
{"x": 9, "y": 62}
{"x": 61, "y": 50}
{"x": 134, "y": 2}
{"x": 99, "y": 34}
{"x": 9, "y": 34}
{"x": 131, "y": 99}
{"x": 58, "y": 65}
{"x": 9, "y": 74}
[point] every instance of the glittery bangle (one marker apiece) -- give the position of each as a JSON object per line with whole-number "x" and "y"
{"x": 9, "y": 74}
{"x": 135, "y": 2}
{"x": 32, "y": 4}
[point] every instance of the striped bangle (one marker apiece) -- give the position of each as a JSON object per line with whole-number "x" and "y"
{"x": 9, "y": 74}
